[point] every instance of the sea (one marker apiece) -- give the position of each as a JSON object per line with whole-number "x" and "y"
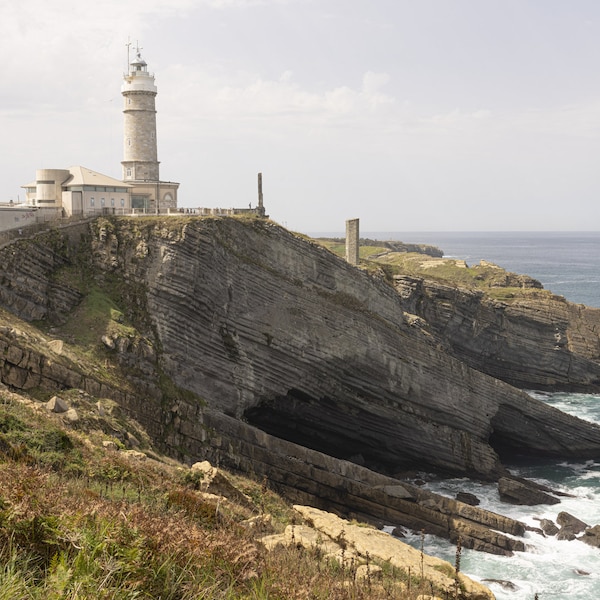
{"x": 566, "y": 263}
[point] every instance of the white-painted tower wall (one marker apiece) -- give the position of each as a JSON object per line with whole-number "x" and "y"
{"x": 140, "y": 157}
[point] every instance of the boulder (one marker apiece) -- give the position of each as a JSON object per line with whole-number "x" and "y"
{"x": 518, "y": 491}
{"x": 566, "y": 520}
{"x": 71, "y": 415}
{"x": 548, "y": 527}
{"x": 591, "y": 536}
{"x": 57, "y": 405}
{"x": 467, "y": 498}
{"x": 566, "y": 534}
{"x": 214, "y": 481}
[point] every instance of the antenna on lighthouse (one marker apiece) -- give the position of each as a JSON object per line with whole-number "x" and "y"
{"x": 128, "y": 44}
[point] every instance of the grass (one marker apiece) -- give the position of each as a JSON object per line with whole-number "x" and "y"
{"x": 339, "y": 248}
{"x": 78, "y": 521}
{"x": 495, "y": 282}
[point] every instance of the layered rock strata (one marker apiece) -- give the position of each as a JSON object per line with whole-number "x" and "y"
{"x": 271, "y": 328}
{"x": 538, "y": 341}
{"x": 275, "y": 331}
{"x": 307, "y": 476}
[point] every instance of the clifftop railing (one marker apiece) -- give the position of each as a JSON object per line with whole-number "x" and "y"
{"x": 46, "y": 221}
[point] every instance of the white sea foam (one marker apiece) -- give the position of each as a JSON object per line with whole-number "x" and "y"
{"x": 567, "y": 264}
{"x": 553, "y": 569}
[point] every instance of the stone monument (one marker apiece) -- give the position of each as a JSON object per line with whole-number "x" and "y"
{"x": 352, "y": 238}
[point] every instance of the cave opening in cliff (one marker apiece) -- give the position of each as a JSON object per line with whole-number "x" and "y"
{"x": 327, "y": 426}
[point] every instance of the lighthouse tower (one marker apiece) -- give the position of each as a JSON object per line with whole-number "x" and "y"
{"x": 140, "y": 155}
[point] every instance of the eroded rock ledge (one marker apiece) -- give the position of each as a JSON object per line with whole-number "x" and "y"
{"x": 345, "y": 541}
{"x": 306, "y": 476}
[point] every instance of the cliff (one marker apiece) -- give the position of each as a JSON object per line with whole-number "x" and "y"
{"x": 533, "y": 341}
{"x": 300, "y": 359}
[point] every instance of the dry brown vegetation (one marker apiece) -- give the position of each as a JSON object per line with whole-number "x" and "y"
{"x": 80, "y": 521}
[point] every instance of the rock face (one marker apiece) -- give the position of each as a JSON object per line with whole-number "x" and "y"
{"x": 312, "y": 372}
{"x": 275, "y": 330}
{"x": 280, "y": 332}
{"x": 539, "y": 342}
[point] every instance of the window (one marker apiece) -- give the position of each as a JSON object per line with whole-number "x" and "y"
{"x": 102, "y": 201}
{"x": 92, "y": 202}
{"x": 128, "y": 172}
{"x": 122, "y": 201}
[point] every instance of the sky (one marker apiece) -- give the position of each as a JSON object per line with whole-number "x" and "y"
{"x": 411, "y": 115}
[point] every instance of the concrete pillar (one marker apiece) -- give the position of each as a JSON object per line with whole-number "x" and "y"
{"x": 352, "y": 239}
{"x": 261, "y": 207}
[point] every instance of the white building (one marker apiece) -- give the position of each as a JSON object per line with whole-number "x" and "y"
{"x": 78, "y": 191}
{"x": 81, "y": 191}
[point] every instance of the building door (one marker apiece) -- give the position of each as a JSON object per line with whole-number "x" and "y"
{"x": 77, "y": 203}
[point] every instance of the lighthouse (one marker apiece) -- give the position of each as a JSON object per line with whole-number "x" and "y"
{"x": 140, "y": 149}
